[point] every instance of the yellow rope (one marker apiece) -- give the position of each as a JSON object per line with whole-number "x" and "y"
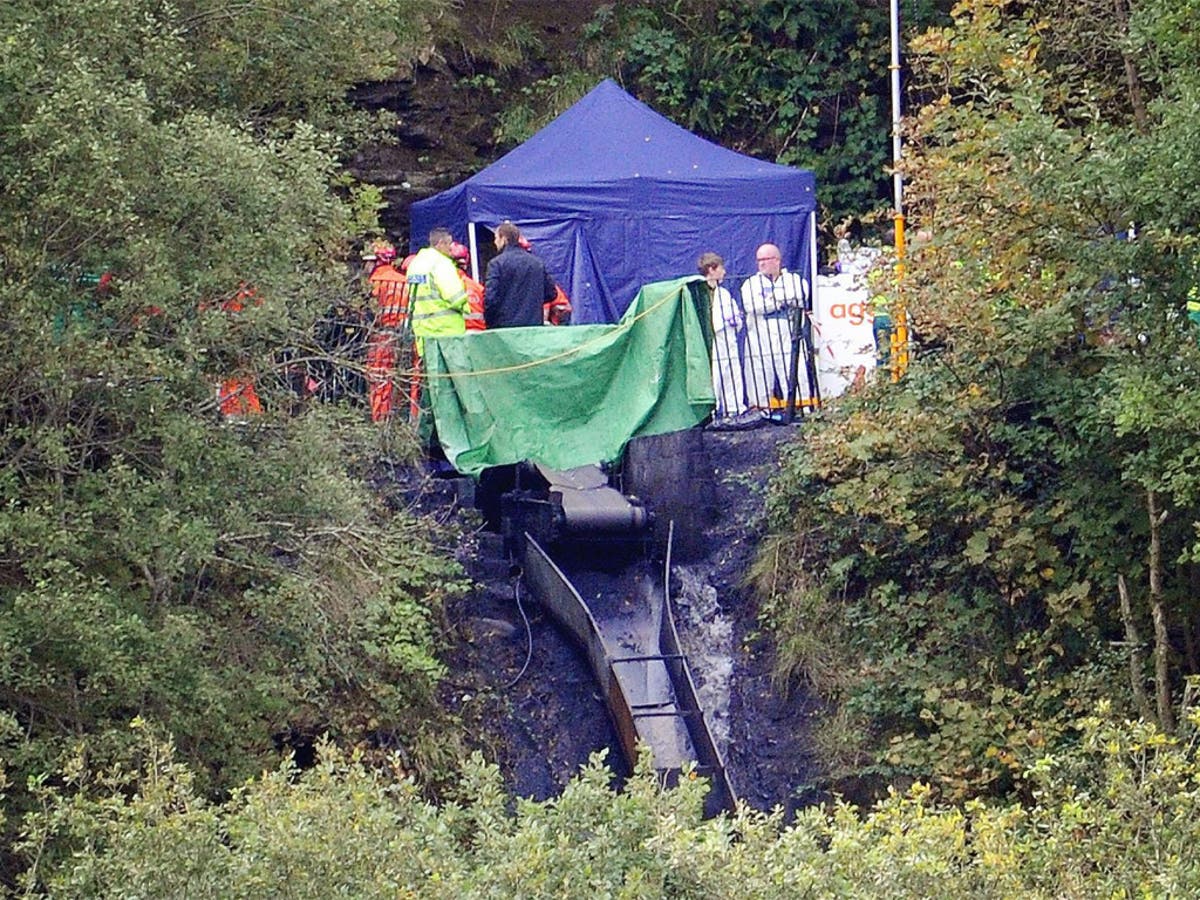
{"x": 623, "y": 324}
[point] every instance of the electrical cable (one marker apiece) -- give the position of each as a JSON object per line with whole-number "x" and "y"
{"x": 528, "y": 633}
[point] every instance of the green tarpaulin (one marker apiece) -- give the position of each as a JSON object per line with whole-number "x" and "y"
{"x": 567, "y": 397}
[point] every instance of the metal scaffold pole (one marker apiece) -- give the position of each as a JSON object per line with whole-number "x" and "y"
{"x": 899, "y": 354}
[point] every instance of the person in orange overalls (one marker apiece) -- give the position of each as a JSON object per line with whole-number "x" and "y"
{"x": 389, "y": 290}
{"x": 236, "y": 395}
{"x": 557, "y": 310}
{"x": 474, "y": 317}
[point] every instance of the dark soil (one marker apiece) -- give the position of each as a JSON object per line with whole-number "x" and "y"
{"x": 528, "y": 696}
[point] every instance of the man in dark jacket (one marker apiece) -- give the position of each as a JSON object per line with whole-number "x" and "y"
{"x": 517, "y": 283}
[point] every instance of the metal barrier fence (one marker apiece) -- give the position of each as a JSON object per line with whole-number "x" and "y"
{"x": 763, "y": 360}
{"x": 762, "y": 356}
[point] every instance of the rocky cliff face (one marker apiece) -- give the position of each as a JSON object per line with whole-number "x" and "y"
{"x": 444, "y": 123}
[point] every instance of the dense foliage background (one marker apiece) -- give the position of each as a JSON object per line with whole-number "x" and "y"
{"x": 1115, "y": 818}
{"x": 799, "y": 83}
{"x": 969, "y": 561}
{"x": 987, "y": 569}
{"x": 234, "y": 584}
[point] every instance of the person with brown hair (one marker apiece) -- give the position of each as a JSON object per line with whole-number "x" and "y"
{"x": 517, "y": 283}
{"x": 727, "y": 322}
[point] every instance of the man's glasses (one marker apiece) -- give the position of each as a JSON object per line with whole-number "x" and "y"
{"x": 765, "y": 258}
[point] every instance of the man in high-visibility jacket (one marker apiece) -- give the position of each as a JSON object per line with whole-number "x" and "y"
{"x": 236, "y": 397}
{"x": 880, "y": 284}
{"x": 436, "y": 294}
{"x": 558, "y": 310}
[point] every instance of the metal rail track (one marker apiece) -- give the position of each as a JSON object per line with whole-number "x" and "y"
{"x": 635, "y": 655}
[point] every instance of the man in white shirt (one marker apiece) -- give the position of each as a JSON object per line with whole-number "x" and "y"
{"x": 768, "y": 299}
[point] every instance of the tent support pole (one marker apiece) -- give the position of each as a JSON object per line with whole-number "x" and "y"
{"x": 899, "y": 337}
{"x": 814, "y": 356}
{"x": 812, "y": 259}
{"x": 474, "y": 247}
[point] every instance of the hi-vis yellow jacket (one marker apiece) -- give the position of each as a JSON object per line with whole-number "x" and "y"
{"x": 435, "y": 295}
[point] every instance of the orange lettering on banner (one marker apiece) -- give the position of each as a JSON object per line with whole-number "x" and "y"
{"x": 855, "y": 313}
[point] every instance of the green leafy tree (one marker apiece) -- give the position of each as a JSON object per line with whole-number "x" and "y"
{"x": 799, "y": 83}
{"x": 950, "y": 553}
{"x": 226, "y": 581}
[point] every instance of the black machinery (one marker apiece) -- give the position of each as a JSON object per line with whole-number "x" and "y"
{"x": 556, "y": 522}
{"x": 576, "y": 505}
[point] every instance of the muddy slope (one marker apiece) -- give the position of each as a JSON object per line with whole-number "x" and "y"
{"x": 528, "y": 693}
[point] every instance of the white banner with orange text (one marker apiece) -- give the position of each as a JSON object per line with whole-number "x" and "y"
{"x": 842, "y": 338}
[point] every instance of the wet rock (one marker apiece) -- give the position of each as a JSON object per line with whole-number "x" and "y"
{"x": 483, "y": 628}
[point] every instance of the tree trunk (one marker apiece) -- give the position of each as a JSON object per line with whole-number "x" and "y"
{"x": 1162, "y": 646}
{"x": 1137, "y": 665}
{"x": 1136, "y": 101}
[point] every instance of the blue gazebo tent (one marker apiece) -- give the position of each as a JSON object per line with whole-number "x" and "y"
{"x": 614, "y": 196}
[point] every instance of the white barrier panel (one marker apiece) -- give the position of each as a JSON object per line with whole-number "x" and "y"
{"x": 842, "y": 337}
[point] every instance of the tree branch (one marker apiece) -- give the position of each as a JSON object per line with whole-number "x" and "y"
{"x": 1162, "y": 646}
{"x": 1136, "y": 662}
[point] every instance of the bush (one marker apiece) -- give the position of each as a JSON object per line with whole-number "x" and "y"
{"x": 228, "y": 582}
{"x": 1115, "y": 817}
